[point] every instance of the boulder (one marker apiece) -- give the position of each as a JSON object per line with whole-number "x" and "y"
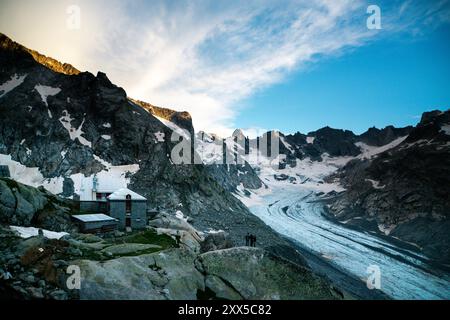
{"x": 216, "y": 241}
{"x": 256, "y": 274}
{"x": 169, "y": 274}
{"x": 129, "y": 248}
{"x": 221, "y": 289}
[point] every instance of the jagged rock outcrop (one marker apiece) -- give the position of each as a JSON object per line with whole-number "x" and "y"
{"x": 380, "y": 137}
{"x": 8, "y": 44}
{"x": 335, "y": 142}
{"x": 258, "y": 275}
{"x": 182, "y": 119}
{"x": 25, "y": 206}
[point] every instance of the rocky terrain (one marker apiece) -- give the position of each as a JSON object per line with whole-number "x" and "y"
{"x": 336, "y": 142}
{"x": 403, "y": 191}
{"x": 58, "y": 125}
{"x": 390, "y": 181}
{"x": 168, "y": 260}
{"x": 23, "y": 205}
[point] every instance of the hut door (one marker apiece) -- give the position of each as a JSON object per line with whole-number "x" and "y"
{"x": 128, "y": 211}
{"x": 128, "y": 204}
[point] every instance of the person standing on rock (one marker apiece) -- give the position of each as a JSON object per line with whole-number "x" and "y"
{"x": 247, "y": 239}
{"x": 254, "y": 241}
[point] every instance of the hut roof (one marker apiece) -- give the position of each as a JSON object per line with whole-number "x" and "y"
{"x": 121, "y": 194}
{"x": 93, "y": 217}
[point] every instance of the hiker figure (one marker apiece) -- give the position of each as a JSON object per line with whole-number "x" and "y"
{"x": 40, "y": 232}
{"x": 247, "y": 239}
{"x": 254, "y": 241}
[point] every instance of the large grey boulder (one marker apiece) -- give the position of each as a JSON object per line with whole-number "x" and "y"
{"x": 21, "y": 205}
{"x": 7, "y": 201}
{"x": 221, "y": 289}
{"x": 256, "y": 274}
{"x": 187, "y": 236}
{"x": 216, "y": 241}
{"x": 129, "y": 248}
{"x": 169, "y": 274}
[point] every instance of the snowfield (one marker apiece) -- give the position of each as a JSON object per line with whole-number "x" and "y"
{"x": 369, "y": 152}
{"x": 110, "y": 179}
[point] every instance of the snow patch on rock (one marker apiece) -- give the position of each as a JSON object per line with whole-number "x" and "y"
{"x": 446, "y": 129}
{"x": 31, "y": 176}
{"x": 179, "y": 214}
{"x": 310, "y": 140}
{"x": 11, "y": 84}
{"x": 28, "y": 232}
{"x": 375, "y": 184}
{"x": 66, "y": 121}
{"x": 286, "y": 144}
{"x": 369, "y": 152}
{"x": 109, "y": 180}
{"x": 46, "y": 91}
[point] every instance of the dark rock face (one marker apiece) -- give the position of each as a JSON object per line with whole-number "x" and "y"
{"x": 182, "y": 119}
{"x": 404, "y": 190}
{"x": 377, "y": 137}
{"x": 335, "y": 142}
{"x": 231, "y": 176}
{"x": 25, "y": 206}
{"x": 4, "y": 172}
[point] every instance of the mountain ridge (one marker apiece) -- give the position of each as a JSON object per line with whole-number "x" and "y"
{"x": 57, "y": 130}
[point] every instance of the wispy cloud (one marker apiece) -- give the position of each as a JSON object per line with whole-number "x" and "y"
{"x": 202, "y": 56}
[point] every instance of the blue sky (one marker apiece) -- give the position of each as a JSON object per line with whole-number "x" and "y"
{"x": 390, "y": 81}
{"x": 292, "y": 65}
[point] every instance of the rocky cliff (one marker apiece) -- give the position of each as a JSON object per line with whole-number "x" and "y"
{"x": 403, "y": 192}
